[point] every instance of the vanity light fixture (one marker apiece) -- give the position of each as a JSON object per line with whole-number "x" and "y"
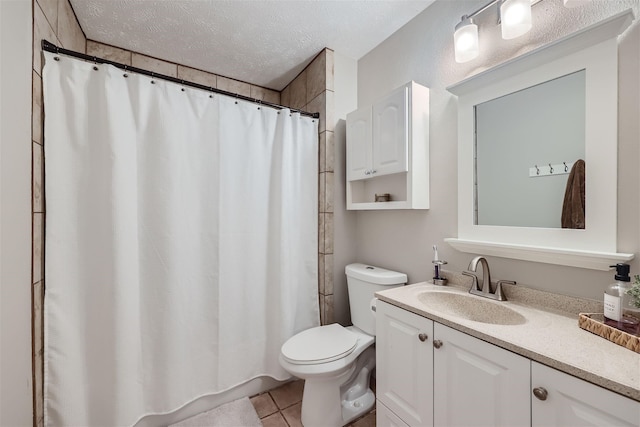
{"x": 514, "y": 17}
{"x": 466, "y": 40}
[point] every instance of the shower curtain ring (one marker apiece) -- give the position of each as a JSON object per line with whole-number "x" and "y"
{"x": 537, "y": 170}
{"x": 566, "y": 168}
{"x": 550, "y": 168}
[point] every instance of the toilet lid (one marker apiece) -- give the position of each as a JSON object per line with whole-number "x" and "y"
{"x": 321, "y": 344}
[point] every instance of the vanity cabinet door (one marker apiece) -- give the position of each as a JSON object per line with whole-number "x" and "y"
{"x": 404, "y": 364}
{"x": 386, "y": 418}
{"x": 359, "y": 146}
{"x": 558, "y": 399}
{"x": 477, "y": 383}
{"x": 391, "y": 133}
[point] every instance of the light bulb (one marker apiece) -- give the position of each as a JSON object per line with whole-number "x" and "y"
{"x": 516, "y": 18}
{"x": 465, "y": 40}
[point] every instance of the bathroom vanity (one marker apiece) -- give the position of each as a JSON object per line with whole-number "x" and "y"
{"x": 448, "y": 358}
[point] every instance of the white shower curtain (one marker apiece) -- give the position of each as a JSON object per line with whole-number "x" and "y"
{"x": 181, "y": 242}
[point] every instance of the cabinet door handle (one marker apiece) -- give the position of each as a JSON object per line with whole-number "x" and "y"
{"x": 437, "y": 343}
{"x": 374, "y": 171}
{"x": 423, "y": 337}
{"x": 540, "y": 392}
{"x": 367, "y": 172}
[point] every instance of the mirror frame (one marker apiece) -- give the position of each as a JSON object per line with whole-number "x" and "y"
{"x": 595, "y": 50}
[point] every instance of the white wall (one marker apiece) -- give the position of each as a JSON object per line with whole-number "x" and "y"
{"x": 344, "y": 236}
{"x": 423, "y": 51}
{"x": 15, "y": 213}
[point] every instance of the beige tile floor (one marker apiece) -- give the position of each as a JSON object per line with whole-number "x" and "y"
{"x": 281, "y": 407}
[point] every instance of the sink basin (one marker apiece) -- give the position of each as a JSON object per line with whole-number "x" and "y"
{"x": 471, "y": 308}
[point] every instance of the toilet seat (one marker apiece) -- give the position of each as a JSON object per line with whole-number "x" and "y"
{"x": 321, "y": 344}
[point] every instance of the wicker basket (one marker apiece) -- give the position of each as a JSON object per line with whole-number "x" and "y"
{"x": 594, "y": 323}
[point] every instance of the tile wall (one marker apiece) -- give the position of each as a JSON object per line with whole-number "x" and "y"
{"x": 312, "y": 90}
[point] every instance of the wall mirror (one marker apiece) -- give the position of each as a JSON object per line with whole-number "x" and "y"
{"x": 510, "y": 122}
{"x": 523, "y": 161}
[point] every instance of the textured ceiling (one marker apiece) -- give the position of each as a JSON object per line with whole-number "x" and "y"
{"x": 266, "y": 42}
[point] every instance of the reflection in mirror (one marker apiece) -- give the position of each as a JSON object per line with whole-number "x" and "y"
{"x": 526, "y": 145}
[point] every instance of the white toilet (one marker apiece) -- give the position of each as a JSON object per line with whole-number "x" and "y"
{"x": 335, "y": 361}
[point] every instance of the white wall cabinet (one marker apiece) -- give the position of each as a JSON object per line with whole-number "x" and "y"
{"x": 388, "y": 151}
{"x": 459, "y": 380}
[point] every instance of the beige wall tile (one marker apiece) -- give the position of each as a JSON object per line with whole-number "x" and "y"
{"x": 330, "y": 152}
{"x": 321, "y": 233}
{"x": 38, "y": 352}
{"x": 322, "y": 150}
{"x": 197, "y": 76}
{"x": 234, "y": 86}
{"x": 152, "y": 64}
{"x": 106, "y": 51}
{"x": 329, "y": 121}
{"x": 321, "y": 193}
{"x": 328, "y": 309}
{"x": 316, "y": 76}
{"x": 328, "y": 188}
{"x": 328, "y": 233}
{"x": 321, "y": 273}
{"x": 37, "y": 110}
{"x": 328, "y": 274}
{"x": 265, "y": 94}
{"x": 285, "y": 96}
{"x": 38, "y": 177}
{"x": 50, "y": 9}
{"x": 329, "y": 69}
{"x": 41, "y": 30}
{"x": 38, "y": 240}
{"x": 69, "y": 32}
{"x": 318, "y": 105}
{"x": 298, "y": 91}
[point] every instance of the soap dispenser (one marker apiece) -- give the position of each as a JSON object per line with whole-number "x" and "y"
{"x": 437, "y": 266}
{"x": 616, "y": 301}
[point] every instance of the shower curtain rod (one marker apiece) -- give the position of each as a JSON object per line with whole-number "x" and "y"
{"x": 50, "y": 47}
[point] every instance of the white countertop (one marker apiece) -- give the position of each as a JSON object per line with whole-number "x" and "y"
{"x": 548, "y": 336}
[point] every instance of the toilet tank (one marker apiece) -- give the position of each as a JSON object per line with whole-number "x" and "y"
{"x": 363, "y": 281}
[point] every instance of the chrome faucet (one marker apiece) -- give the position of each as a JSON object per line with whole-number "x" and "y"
{"x": 484, "y": 289}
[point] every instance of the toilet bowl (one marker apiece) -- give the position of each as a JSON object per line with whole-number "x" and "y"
{"x": 336, "y": 361}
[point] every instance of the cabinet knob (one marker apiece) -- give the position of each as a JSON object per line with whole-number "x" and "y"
{"x": 367, "y": 172}
{"x": 540, "y": 393}
{"x": 437, "y": 343}
{"x": 423, "y": 337}
{"x": 374, "y": 171}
